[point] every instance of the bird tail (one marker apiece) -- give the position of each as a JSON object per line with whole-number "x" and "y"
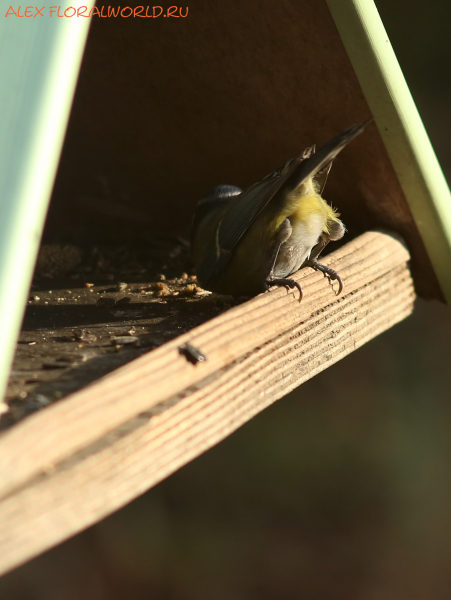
{"x": 323, "y": 157}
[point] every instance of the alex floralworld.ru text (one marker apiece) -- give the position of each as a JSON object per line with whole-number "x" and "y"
{"x": 150, "y": 12}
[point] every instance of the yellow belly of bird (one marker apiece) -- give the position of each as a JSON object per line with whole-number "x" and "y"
{"x": 308, "y": 214}
{"x": 306, "y": 206}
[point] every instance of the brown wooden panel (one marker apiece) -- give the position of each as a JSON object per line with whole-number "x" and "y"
{"x": 167, "y": 107}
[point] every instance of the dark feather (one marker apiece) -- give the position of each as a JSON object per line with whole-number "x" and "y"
{"x": 216, "y": 198}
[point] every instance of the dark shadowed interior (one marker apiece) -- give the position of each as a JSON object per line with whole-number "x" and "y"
{"x": 167, "y": 108}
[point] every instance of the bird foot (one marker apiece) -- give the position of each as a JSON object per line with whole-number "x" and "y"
{"x": 327, "y": 271}
{"x": 285, "y": 282}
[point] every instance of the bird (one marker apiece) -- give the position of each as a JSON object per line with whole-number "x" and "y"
{"x": 244, "y": 242}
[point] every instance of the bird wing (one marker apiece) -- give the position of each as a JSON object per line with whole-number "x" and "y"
{"x": 239, "y": 212}
{"x": 245, "y": 208}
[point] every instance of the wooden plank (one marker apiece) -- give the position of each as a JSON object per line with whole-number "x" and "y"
{"x": 140, "y": 453}
{"x": 48, "y": 437}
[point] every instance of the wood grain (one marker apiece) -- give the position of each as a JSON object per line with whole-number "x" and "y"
{"x": 48, "y": 437}
{"x": 127, "y": 461}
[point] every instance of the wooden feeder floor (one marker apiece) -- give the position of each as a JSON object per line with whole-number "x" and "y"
{"x": 82, "y": 326}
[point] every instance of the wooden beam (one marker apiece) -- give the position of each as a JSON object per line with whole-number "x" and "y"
{"x": 65, "y": 468}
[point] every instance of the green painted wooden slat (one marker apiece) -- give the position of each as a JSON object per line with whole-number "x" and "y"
{"x": 40, "y": 59}
{"x": 400, "y": 126}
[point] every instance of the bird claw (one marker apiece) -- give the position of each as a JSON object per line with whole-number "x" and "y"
{"x": 285, "y": 282}
{"x": 327, "y": 271}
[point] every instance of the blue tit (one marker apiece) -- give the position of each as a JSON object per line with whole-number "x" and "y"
{"x": 244, "y": 242}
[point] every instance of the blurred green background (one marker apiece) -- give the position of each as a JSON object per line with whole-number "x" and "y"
{"x": 340, "y": 490}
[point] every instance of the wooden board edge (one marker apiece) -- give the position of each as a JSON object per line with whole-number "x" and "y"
{"x": 126, "y": 462}
{"x": 57, "y": 432}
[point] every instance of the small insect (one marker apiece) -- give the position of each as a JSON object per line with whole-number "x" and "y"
{"x": 245, "y": 242}
{"x": 192, "y": 354}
